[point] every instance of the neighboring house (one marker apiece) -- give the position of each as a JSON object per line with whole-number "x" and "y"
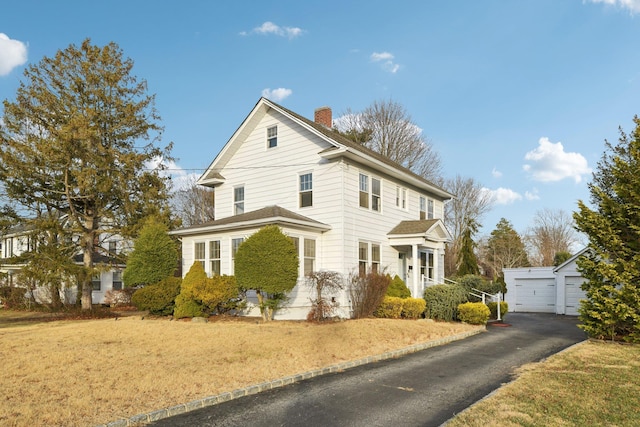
{"x": 17, "y": 241}
{"x": 545, "y": 289}
{"x": 346, "y": 208}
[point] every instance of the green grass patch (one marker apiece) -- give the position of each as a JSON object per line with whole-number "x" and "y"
{"x": 593, "y": 383}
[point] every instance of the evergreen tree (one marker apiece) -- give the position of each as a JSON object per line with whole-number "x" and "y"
{"x": 505, "y": 248}
{"x": 467, "y": 261}
{"x": 267, "y": 262}
{"x": 80, "y": 139}
{"x": 611, "y": 267}
{"x": 154, "y": 256}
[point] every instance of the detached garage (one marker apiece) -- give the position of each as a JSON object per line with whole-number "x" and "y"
{"x": 545, "y": 289}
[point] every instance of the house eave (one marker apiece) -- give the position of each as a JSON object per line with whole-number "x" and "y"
{"x": 257, "y": 223}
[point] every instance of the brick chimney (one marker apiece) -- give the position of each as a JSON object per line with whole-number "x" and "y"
{"x": 322, "y": 116}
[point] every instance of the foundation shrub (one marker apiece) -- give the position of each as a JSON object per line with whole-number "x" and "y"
{"x": 397, "y": 288}
{"x": 413, "y": 308}
{"x": 13, "y": 297}
{"x": 187, "y": 307}
{"x": 390, "y": 308}
{"x": 367, "y": 292}
{"x": 475, "y": 313}
{"x": 158, "y": 298}
{"x": 442, "y": 301}
{"x": 493, "y": 308}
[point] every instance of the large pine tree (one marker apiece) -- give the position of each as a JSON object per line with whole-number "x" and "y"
{"x": 78, "y": 140}
{"x": 612, "y": 264}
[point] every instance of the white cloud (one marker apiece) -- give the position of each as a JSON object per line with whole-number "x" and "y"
{"x": 181, "y": 179}
{"x": 549, "y": 162}
{"x": 12, "y": 54}
{"x": 270, "y": 28}
{"x": 532, "y": 195}
{"x": 503, "y": 196}
{"x": 276, "y": 94}
{"x": 386, "y": 61}
{"x": 632, "y": 5}
{"x": 496, "y": 173}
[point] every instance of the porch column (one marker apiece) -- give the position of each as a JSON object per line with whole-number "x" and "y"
{"x": 436, "y": 267}
{"x": 417, "y": 279}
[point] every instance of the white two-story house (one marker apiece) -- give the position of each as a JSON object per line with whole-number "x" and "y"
{"x": 346, "y": 207}
{"x": 19, "y": 240}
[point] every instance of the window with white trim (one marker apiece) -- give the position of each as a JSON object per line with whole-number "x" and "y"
{"x": 430, "y": 209}
{"x": 423, "y": 207}
{"x": 309, "y": 256}
{"x": 375, "y": 258}
{"x": 272, "y": 137}
{"x": 214, "y": 257}
{"x": 296, "y": 243}
{"x": 364, "y": 191}
{"x": 113, "y": 247}
{"x": 306, "y": 190}
{"x": 116, "y": 280}
{"x": 363, "y": 258}
{"x": 376, "y": 205}
{"x": 238, "y": 200}
{"x": 199, "y": 253}
{"x": 96, "y": 282}
{"x": 235, "y": 244}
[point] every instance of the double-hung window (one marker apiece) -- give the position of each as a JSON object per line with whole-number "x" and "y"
{"x": 375, "y": 258}
{"x": 214, "y": 257}
{"x": 272, "y": 137}
{"x": 364, "y": 191}
{"x": 238, "y": 200}
{"x": 309, "y": 256}
{"x": 96, "y": 282}
{"x": 429, "y": 209}
{"x": 117, "y": 280}
{"x": 199, "y": 253}
{"x": 368, "y": 258}
{"x": 401, "y": 197}
{"x": 306, "y": 190}
{"x": 296, "y": 243}
{"x": 423, "y": 207}
{"x": 235, "y": 244}
{"x": 363, "y": 258}
{"x": 375, "y": 194}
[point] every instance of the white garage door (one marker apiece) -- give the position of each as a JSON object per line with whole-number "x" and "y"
{"x": 536, "y": 295}
{"x": 573, "y": 294}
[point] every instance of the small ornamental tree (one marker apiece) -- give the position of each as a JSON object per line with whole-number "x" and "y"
{"x": 154, "y": 256}
{"x": 267, "y": 262}
{"x": 323, "y": 283}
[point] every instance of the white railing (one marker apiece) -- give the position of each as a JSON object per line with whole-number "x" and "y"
{"x": 497, "y": 297}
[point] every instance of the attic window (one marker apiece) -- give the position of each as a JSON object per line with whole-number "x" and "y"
{"x": 272, "y": 137}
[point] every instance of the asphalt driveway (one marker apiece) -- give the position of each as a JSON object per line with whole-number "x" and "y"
{"x": 422, "y": 389}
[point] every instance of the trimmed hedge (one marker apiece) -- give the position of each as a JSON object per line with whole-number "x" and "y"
{"x": 389, "y": 308}
{"x": 412, "y": 308}
{"x": 475, "y": 313}
{"x": 158, "y": 298}
{"x": 442, "y": 301}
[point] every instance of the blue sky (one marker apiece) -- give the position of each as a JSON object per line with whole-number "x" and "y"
{"x": 520, "y": 95}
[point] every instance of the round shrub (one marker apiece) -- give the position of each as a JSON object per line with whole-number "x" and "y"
{"x": 186, "y": 302}
{"x": 397, "y": 288}
{"x": 389, "y": 308}
{"x": 412, "y": 308}
{"x": 442, "y": 301}
{"x": 475, "y": 313}
{"x": 216, "y": 293}
{"x": 159, "y": 297}
{"x": 493, "y": 307}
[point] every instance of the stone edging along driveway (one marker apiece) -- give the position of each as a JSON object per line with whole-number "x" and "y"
{"x": 281, "y": 382}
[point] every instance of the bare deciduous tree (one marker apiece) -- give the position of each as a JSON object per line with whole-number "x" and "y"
{"x": 471, "y": 202}
{"x": 194, "y": 204}
{"x": 552, "y": 232}
{"x": 386, "y": 127}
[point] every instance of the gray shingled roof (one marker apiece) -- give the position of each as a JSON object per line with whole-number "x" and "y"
{"x": 336, "y": 136}
{"x": 413, "y": 227}
{"x": 267, "y": 213}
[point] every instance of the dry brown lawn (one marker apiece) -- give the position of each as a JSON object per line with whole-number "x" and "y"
{"x": 88, "y": 372}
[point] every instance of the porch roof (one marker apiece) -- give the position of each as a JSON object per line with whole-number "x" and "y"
{"x": 424, "y": 229}
{"x": 261, "y": 217}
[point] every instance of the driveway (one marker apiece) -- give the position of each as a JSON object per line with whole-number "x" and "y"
{"x": 422, "y": 389}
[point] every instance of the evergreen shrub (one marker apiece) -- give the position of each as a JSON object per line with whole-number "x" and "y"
{"x": 389, "y": 308}
{"x": 442, "y": 301}
{"x": 475, "y": 313}
{"x": 158, "y": 298}
{"x": 493, "y": 308}
{"x": 397, "y": 288}
{"x": 413, "y": 308}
